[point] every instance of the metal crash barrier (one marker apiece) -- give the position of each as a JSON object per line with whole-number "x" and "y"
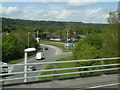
{"x": 60, "y": 69}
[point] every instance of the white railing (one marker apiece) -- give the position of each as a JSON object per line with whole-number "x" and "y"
{"x": 60, "y": 69}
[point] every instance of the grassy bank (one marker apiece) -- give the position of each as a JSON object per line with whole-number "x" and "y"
{"x": 22, "y": 59}
{"x": 19, "y": 60}
{"x": 75, "y": 64}
{"x": 62, "y": 47}
{"x": 61, "y": 65}
{"x": 57, "y": 44}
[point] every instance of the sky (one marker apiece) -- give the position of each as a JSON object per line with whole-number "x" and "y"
{"x": 89, "y": 11}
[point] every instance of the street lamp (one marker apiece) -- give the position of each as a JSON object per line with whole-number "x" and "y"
{"x": 67, "y": 40}
{"x": 28, "y": 38}
{"x": 37, "y": 38}
{"x": 46, "y": 34}
{"x": 25, "y": 61}
{"x": 37, "y": 33}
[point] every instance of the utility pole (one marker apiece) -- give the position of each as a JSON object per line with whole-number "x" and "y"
{"x": 28, "y": 38}
{"x": 46, "y": 34}
{"x": 37, "y": 33}
{"x": 67, "y": 40}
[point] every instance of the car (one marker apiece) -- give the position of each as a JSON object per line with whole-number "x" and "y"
{"x": 46, "y": 48}
{"x": 3, "y": 69}
{"x": 31, "y": 68}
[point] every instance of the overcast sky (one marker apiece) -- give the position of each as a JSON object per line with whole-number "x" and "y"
{"x": 59, "y": 10}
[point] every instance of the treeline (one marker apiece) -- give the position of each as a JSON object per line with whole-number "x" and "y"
{"x": 98, "y": 45}
{"x": 14, "y": 43}
{"x": 45, "y": 24}
{"x": 51, "y": 27}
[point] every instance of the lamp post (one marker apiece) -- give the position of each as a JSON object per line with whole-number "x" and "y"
{"x": 37, "y": 33}
{"x": 37, "y": 38}
{"x": 25, "y": 61}
{"x": 28, "y": 38}
{"x": 46, "y": 34}
{"x": 67, "y": 40}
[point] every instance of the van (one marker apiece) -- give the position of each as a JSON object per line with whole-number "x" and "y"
{"x": 3, "y": 69}
{"x": 39, "y": 55}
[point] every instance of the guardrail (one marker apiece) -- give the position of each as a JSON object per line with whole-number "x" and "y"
{"x": 60, "y": 69}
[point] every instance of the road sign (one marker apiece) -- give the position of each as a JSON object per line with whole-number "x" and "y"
{"x": 66, "y": 44}
{"x": 71, "y": 45}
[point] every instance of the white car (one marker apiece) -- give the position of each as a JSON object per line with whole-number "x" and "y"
{"x": 31, "y": 68}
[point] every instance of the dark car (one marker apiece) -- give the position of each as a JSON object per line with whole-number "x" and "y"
{"x": 46, "y": 48}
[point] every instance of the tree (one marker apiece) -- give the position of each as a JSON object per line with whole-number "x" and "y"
{"x": 111, "y": 41}
{"x": 89, "y": 47}
{"x": 113, "y": 17}
{"x": 13, "y": 45}
{"x": 8, "y": 50}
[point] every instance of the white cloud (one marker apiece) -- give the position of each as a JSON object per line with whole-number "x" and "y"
{"x": 75, "y": 4}
{"x": 97, "y": 15}
{"x": 10, "y": 11}
{"x": 93, "y": 0}
{"x": 89, "y": 15}
{"x": 60, "y": 0}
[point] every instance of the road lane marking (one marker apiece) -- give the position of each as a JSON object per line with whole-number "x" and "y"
{"x": 56, "y": 49}
{"x": 104, "y": 85}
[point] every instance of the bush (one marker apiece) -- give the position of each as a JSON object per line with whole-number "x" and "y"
{"x": 88, "y": 48}
{"x": 8, "y": 47}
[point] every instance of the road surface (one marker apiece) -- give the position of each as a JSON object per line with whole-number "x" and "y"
{"x": 103, "y": 81}
{"x": 51, "y": 54}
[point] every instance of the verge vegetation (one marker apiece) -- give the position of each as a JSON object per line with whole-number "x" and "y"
{"x": 94, "y": 46}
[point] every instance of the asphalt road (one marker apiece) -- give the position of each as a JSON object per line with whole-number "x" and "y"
{"x": 103, "y": 81}
{"x": 51, "y": 54}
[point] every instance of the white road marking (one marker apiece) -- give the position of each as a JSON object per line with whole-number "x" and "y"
{"x": 57, "y": 51}
{"x": 104, "y": 85}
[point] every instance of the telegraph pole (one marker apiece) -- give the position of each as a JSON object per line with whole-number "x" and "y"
{"x": 67, "y": 40}
{"x": 28, "y": 39}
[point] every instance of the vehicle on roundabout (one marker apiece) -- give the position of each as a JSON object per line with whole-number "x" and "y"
{"x": 31, "y": 68}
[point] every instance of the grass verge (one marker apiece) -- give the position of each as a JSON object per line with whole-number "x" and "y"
{"x": 62, "y": 47}
{"x": 73, "y": 64}
{"x": 22, "y": 59}
{"x": 19, "y": 60}
{"x": 61, "y": 65}
{"x": 57, "y": 44}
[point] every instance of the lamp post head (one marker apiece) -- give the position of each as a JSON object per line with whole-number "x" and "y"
{"x": 29, "y": 50}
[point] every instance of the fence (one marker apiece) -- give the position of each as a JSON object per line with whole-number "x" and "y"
{"x": 59, "y": 69}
